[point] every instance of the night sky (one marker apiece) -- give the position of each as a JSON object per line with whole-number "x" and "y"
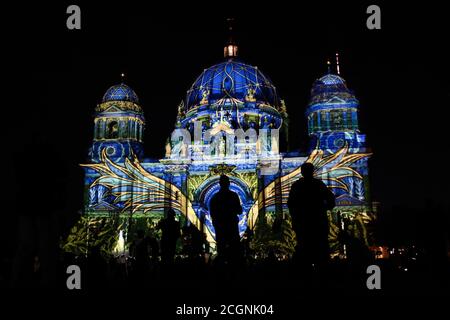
{"x": 400, "y": 74}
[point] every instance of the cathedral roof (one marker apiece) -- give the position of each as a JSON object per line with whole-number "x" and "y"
{"x": 120, "y": 92}
{"x": 332, "y": 79}
{"x": 329, "y": 88}
{"x": 233, "y": 80}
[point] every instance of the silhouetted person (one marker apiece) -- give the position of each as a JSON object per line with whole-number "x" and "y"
{"x": 358, "y": 258}
{"x": 309, "y": 200}
{"x": 195, "y": 240}
{"x": 247, "y": 239}
{"x": 141, "y": 250}
{"x": 170, "y": 229}
{"x": 225, "y": 208}
{"x": 154, "y": 247}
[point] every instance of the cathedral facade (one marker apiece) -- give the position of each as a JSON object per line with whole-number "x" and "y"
{"x": 231, "y": 122}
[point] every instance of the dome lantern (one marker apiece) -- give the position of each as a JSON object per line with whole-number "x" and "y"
{"x": 231, "y": 49}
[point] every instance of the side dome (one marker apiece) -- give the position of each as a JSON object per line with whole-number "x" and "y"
{"x": 120, "y": 92}
{"x": 329, "y": 87}
{"x": 232, "y": 80}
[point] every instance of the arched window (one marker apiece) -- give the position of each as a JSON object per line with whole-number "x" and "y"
{"x": 355, "y": 119}
{"x": 113, "y": 130}
{"x": 128, "y": 127}
{"x": 96, "y": 129}
{"x": 336, "y": 120}
{"x": 310, "y": 124}
{"x": 324, "y": 122}
{"x": 133, "y": 130}
{"x": 315, "y": 121}
{"x": 100, "y": 129}
{"x": 138, "y": 132}
{"x": 350, "y": 124}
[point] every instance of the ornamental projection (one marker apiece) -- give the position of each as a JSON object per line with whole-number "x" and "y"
{"x": 239, "y": 124}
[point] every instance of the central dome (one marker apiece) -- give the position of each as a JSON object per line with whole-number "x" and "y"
{"x": 231, "y": 95}
{"x": 232, "y": 80}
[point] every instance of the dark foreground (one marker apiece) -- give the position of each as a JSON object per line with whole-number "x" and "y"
{"x": 256, "y": 278}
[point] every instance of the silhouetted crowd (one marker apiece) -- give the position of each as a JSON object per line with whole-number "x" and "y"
{"x": 158, "y": 264}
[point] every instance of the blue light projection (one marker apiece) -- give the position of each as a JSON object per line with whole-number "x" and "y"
{"x": 121, "y": 184}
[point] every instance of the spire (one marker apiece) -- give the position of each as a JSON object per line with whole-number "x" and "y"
{"x": 337, "y": 64}
{"x": 329, "y": 66}
{"x": 231, "y": 49}
{"x": 122, "y": 77}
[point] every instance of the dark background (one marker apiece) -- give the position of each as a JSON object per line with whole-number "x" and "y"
{"x": 56, "y": 76}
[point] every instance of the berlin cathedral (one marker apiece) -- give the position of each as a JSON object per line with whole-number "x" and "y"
{"x": 231, "y": 122}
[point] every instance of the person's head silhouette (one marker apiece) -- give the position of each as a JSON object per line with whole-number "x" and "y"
{"x": 224, "y": 182}
{"x": 140, "y": 233}
{"x": 307, "y": 170}
{"x": 171, "y": 214}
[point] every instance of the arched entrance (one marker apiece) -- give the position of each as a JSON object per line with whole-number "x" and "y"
{"x": 209, "y": 188}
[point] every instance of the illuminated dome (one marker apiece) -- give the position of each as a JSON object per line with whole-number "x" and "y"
{"x": 332, "y": 113}
{"x": 229, "y": 96}
{"x": 332, "y": 79}
{"x": 119, "y": 125}
{"x": 120, "y": 92}
{"x": 329, "y": 87}
{"x": 233, "y": 80}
